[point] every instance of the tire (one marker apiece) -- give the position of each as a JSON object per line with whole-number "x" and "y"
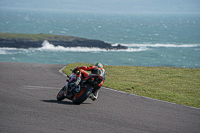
{"x": 82, "y": 95}
{"x": 60, "y": 95}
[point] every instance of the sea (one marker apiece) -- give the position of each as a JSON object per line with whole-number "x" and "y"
{"x": 153, "y": 39}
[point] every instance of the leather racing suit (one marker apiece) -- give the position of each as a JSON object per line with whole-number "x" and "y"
{"x": 94, "y": 70}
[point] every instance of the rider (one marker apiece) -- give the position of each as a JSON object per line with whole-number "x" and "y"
{"x": 97, "y": 68}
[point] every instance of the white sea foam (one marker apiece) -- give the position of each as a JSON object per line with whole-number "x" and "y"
{"x": 161, "y": 45}
{"x": 47, "y": 46}
{"x": 5, "y": 51}
{"x": 2, "y": 52}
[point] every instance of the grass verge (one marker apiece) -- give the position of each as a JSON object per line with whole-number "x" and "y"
{"x": 177, "y": 85}
{"x": 36, "y": 37}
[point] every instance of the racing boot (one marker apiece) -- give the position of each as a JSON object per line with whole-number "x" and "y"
{"x": 93, "y": 96}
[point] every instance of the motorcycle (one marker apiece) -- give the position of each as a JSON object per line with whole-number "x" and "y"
{"x": 78, "y": 94}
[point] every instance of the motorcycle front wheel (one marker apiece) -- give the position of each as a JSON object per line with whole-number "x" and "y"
{"x": 60, "y": 95}
{"x": 82, "y": 95}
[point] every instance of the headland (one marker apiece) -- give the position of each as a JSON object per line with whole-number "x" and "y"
{"x": 18, "y": 40}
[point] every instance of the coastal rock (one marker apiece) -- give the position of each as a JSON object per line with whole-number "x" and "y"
{"x": 36, "y": 40}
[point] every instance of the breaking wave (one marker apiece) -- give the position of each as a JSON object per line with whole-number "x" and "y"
{"x": 131, "y": 47}
{"x": 46, "y": 46}
{"x": 161, "y": 45}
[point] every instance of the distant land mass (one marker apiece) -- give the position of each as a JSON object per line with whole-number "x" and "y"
{"x": 17, "y": 40}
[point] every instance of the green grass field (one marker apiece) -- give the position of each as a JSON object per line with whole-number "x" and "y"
{"x": 36, "y": 37}
{"x": 177, "y": 85}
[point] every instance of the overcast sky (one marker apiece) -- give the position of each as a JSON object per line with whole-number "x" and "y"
{"x": 130, "y": 6}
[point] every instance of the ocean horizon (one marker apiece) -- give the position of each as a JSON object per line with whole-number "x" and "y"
{"x": 155, "y": 39}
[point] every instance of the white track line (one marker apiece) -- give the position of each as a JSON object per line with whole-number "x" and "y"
{"x": 150, "y": 98}
{"x": 40, "y": 87}
{"x": 136, "y": 95}
{"x": 61, "y": 71}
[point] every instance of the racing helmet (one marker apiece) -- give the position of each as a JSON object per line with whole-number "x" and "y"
{"x": 98, "y": 65}
{"x": 77, "y": 72}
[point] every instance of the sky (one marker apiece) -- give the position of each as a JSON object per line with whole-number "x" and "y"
{"x": 128, "y": 6}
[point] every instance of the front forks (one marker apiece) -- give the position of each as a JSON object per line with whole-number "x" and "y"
{"x": 71, "y": 91}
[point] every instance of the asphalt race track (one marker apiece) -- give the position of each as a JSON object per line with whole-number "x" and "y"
{"x": 28, "y": 105}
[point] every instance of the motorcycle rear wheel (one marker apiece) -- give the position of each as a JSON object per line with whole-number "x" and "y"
{"x": 81, "y": 96}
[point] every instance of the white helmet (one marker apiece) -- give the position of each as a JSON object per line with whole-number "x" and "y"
{"x": 98, "y": 65}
